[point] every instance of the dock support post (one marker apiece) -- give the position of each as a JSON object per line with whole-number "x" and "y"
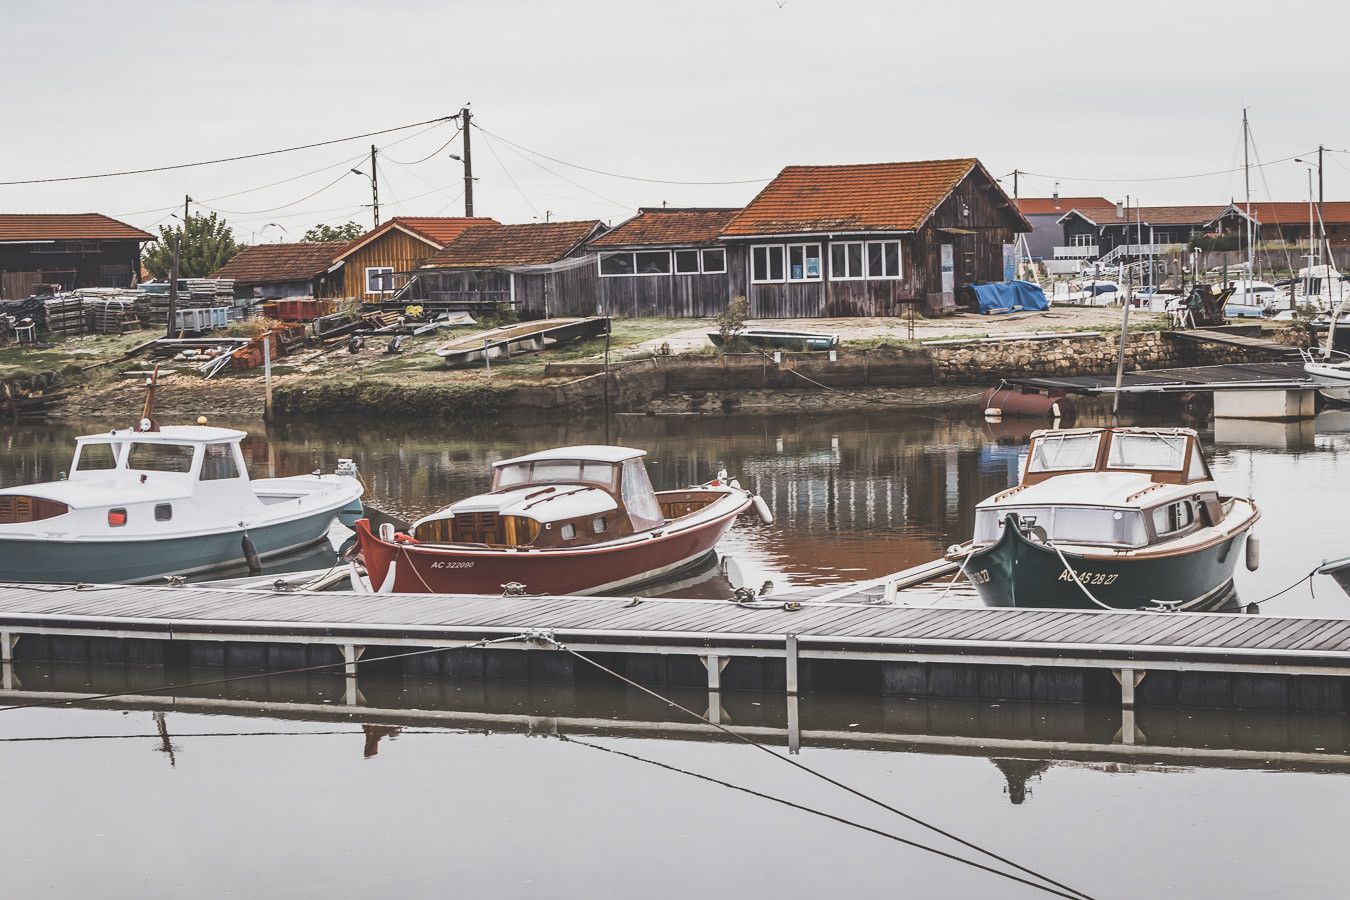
{"x": 1129, "y": 679}
{"x": 791, "y": 654}
{"x": 714, "y": 664}
{"x": 7, "y": 640}
{"x": 794, "y": 725}
{"x": 350, "y": 654}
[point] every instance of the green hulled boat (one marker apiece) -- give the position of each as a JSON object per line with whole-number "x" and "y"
{"x": 1117, "y": 518}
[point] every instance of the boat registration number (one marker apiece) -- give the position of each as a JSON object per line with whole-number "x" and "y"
{"x": 980, "y": 577}
{"x": 1092, "y": 578}
{"x": 451, "y": 564}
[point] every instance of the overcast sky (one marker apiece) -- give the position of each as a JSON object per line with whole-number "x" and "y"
{"x": 677, "y": 91}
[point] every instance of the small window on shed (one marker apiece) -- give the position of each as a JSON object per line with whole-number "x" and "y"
{"x": 652, "y": 262}
{"x": 616, "y": 264}
{"x": 568, "y": 531}
{"x": 686, "y": 262}
{"x": 714, "y": 261}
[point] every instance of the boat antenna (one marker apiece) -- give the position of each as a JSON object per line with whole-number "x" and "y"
{"x": 148, "y": 422}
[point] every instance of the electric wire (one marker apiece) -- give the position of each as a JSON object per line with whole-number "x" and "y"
{"x": 909, "y": 817}
{"x": 509, "y": 177}
{"x": 225, "y": 159}
{"x": 564, "y": 162}
{"x": 819, "y": 812}
{"x": 429, "y": 155}
{"x": 1160, "y": 177}
{"x": 561, "y": 177}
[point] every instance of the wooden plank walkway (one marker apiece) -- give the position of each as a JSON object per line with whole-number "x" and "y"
{"x": 1283, "y": 374}
{"x": 1232, "y": 339}
{"x": 888, "y": 633}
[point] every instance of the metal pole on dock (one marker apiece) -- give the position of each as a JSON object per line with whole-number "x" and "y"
{"x": 267, "y": 376}
{"x": 1124, "y": 329}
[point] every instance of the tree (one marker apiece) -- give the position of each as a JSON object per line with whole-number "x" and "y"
{"x": 210, "y": 244}
{"x": 323, "y": 233}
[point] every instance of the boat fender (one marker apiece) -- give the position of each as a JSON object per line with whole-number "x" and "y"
{"x": 993, "y": 413}
{"x": 401, "y": 538}
{"x": 1253, "y": 553}
{"x": 1054, "y": 410}
{"x": 387, "y": 532}
{"x": 762, "y": 510}
{"x": 359, "y": 583}
{"x": 251, "y": 555}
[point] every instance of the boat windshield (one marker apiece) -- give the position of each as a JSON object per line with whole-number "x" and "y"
{"x": 1065, "y": 452}
{"x": 1151, "y": 452}
{"x": 159, "y": 457}
{"x": 1069, "y": 524}
{"x": 94, "y": 457}
{"x": 555, "y": 471}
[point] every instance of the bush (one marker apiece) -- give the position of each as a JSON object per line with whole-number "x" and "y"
{"x": 731, "y": 323}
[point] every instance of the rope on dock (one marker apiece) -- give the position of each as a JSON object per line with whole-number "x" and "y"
{"x": 547, "y": 637}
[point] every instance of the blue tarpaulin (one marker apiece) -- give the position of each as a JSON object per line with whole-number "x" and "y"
{"x": 1010, "y": 296}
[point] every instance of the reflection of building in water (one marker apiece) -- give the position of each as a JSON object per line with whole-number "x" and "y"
{"x": 1019, "y": 773}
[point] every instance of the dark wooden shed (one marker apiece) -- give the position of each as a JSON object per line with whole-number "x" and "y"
{"x": 863, "y": 240}
{"x": 74, "y": 250}
{"x": 665, "y": 262}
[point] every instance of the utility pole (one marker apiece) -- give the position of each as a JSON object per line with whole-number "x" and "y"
{"x": 1015, "y": 174}
{"x": 184, "y": 242}
{"x": 173, "y": 286}
{"x": 465, "y": 120}
{"x": 374, "y": 186}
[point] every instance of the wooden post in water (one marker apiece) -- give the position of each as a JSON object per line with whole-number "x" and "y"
{"x": 267, "y": 376}
{"x": 791, "y": 655}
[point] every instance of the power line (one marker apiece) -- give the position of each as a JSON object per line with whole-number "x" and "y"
{"x": 1161, "y": 177}
{"x": 253, "y": 212}
{"x": 225, "y": 159}
{"x": 615, "y": 174}
{"x": 534, "y": 162}
{"x": 429, "y": 155}
{"x": 508, "y": 175}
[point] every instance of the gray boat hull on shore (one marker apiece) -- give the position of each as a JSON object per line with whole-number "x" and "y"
{"x": 106, "y": 562}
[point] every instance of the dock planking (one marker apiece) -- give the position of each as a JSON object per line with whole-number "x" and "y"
{"x": 1236, "y": 645}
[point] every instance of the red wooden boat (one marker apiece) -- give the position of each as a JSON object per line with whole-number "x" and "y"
{"x": 575, "y": 520}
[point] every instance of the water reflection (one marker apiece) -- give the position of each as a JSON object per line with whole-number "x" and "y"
{"x": 855, "y": 495}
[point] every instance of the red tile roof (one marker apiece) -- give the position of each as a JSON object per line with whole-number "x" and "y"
{"x": 666, "y": 227}
{"x": 17, "y": 227}
{"x": 1039, "y": 206}
{"x": 272, "y": 263}
{"x": 1296, "y": 212}
{"x": 435, "y": 230}
{"x": 872, "y": 197}
{"x": 535, "y": 243}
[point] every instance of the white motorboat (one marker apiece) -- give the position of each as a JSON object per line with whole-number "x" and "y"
{"x": 1093, "y": 292}
{"x": 139, "y": 505}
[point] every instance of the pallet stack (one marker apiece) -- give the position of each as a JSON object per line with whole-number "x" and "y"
{"x": 152, "y": 303}
{"x": 111, "y": 316}
{"x": 64, "y": 315}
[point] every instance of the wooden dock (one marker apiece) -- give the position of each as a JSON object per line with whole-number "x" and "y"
{"x": 1204, "y": 659}
{"x": 1281, "y": 375}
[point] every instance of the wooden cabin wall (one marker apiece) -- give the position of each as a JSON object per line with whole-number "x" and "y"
{"x": 394, "y": 248}
{"x": 693, "y": 296}
{"x": 568, "y": 292}
{"x": 103, "y": 264}
{"x": 978, "y": 206}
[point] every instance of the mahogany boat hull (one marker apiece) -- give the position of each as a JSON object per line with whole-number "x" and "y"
{"x": 598, "y": 568}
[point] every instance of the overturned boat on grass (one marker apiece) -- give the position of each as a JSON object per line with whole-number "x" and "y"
{"x": 513, "y": 340}
{"x": 573, "y": 520}
{"x": 1115, "y": 518}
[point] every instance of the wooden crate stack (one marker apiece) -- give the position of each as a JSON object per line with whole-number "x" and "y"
{"x": 64, "y": 315}
{"x": 110, "y": 315}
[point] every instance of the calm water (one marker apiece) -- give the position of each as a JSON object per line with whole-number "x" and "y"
{"x": 465, "y": 789}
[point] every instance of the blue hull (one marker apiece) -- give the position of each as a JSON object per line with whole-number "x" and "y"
{"x": 109, "y": 562}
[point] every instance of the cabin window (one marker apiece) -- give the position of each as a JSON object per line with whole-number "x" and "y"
{"x": 95, "y": 457}
{"x": 714, "y": 261}
{"x": 379, "y": 279}
{"x": 1150, "y": 452}
{"x": 883, "y": 259}
{"x": 1064, "y": 452}
{"x": 157, "y": 457}
{"x": 766, "y": 264}
{"x": 553, "y": 471}
{"x": 803, "y": 262}
{"x": 686, "y": 262}
{"x": 218, "y": 463}
{"x": 568, "y": 531}
{"x": 1173, "y": 517}
{"x": 600, "y": 524}
{"x": 638, "y": 497}
{"x": 1083, "y": 240}
{"x": 163, "y": 512}
{"x": 1196, "y": 470}
{"x": 1071, "y": 524}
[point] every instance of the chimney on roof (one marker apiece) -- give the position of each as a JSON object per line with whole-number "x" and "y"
{"x": 1056, "y": 195}
{"x": 1120, "y": 210}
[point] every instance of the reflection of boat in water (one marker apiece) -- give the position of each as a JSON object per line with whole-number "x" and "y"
{"x": 526, "y": 337}
{"x": 574, "y": 520}
{"x": 1109, "y": 517}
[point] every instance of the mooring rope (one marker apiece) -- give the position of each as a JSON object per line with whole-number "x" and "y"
{"x": 547, "y": 637}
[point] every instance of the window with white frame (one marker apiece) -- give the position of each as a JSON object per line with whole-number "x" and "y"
{"x": 865, "y": 260}
{"x": 379, "y": 280}
{"x": 714, "y": 260}
{"x": 1083, "y": 240}
{"x": 616, "y": 264}
{"x": 771, "y": 263}
{"x": 639, "y": 262}
{"x": 686, "y": 262}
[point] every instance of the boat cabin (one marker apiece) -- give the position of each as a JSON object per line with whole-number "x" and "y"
{"x": 567, "y": 497}
{"x": 1114, "y": 487}
{"x": 200, "y": 452}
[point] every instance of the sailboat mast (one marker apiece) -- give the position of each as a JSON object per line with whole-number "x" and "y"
{"x": 1247, "y": 190}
